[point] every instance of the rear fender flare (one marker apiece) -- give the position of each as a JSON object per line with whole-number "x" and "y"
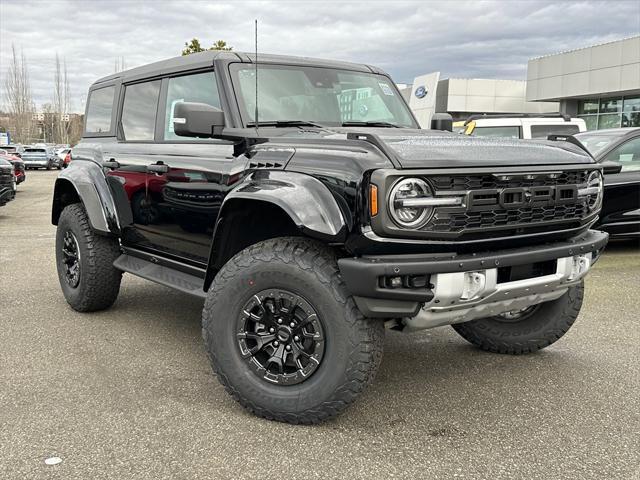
{"x": 90, "y": 185}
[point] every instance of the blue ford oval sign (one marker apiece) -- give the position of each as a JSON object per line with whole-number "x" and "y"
{"x": 421, "y": 91}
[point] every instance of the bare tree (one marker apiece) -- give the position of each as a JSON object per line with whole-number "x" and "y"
{"x": 61, "y": 103}
{"x": 18, "y": 95}
{"x": 119, "y": 65}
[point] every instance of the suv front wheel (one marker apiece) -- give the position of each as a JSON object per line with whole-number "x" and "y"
{"x": 283, "y": 335}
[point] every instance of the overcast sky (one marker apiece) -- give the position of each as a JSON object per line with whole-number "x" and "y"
{"x": 468, "y": 39}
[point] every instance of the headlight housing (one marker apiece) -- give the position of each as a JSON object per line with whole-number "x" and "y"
{"x": 403, "y": 213}
{"x": 594, "y": 191}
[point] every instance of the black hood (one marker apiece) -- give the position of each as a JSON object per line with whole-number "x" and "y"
{"x": 430, "y": 148}
{"x": 436, "y": 149}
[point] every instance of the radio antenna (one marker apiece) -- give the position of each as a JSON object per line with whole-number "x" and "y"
{"x": 256, "y": 119}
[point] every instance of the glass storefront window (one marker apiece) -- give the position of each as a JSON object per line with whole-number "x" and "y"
{"x": 631, "y": 112}
{"x": 610, "y": 105}
{"x": 588, "y": 106}
{"x": 609, "y": 120}
{"x": 591, "y": 121}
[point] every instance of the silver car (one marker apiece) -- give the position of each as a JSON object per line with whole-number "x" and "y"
{"x": 40, "y": 157}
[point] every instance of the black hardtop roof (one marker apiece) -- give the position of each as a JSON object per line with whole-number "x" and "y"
{"x": 205, "y": 59}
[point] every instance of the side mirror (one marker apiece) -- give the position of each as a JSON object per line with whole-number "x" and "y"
{"x": 442, "y": 121}
{"x": 610, "y": 167}
{"x": 197, "y": 120}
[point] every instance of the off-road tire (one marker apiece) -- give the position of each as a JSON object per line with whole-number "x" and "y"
{"x": 543, "y": 327}
{"x": 353, "y": 344}
{"x": 99, "y": 281}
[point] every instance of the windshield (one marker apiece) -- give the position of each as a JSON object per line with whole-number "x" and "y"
{"x": 325, "y": 96}
{"x": 596, "y": 142}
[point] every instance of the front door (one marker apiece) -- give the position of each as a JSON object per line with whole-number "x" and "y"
{"x": 185, "y": 179}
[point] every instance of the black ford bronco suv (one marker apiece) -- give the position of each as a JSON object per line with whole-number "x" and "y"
{"x": 310, "y": 211}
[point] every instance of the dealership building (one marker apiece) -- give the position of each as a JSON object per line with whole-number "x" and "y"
{"x": 600, "y": 84}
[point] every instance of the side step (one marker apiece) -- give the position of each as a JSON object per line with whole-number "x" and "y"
{"x": 163, "y": 275}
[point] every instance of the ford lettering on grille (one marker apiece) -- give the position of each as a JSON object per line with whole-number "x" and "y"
{"x": 519, "y": 197}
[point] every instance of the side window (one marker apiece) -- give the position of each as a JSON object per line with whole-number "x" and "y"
{"x": 199, "y": 87}
{"x": 543, "y": 131}
{"x": 627, "y": 154}
{"x": 139, "y": 110}
{"x": 99, "y": 110}
{"x": 497, "y": 132}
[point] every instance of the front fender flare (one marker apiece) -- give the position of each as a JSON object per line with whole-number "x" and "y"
{"x": 304, "y": 199}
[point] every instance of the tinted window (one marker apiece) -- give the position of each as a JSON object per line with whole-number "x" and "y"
{"x": 99, "y": 111}
{"x": 500, "y": 132}
{"x": 542, "y": 131}
{"x": 199, "y": 88}
{"x": 139, "y": 110}
{"x": 35, "y": 150}
{"x": 628, "y": 154}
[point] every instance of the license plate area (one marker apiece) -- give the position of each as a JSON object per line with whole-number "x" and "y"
{"x": 528, "y": 270}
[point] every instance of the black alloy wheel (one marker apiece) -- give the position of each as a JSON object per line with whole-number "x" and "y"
{"x": 280, "y": 336}
{"x": 71, "y": 259}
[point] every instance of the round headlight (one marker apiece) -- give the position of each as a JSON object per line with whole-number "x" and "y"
{"x": 595, "y": 188}
{"x": 409, "y": 216}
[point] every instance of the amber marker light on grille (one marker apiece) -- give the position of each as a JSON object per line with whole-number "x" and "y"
{"x": 373, "y": 200}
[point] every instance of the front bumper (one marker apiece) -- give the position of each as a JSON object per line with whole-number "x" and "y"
{"x": 450, "y": 294}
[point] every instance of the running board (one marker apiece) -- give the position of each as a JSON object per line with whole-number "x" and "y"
{"x": 163, "y": 275}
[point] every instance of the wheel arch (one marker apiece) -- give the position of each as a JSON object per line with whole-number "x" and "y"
{"x": 269, "y": 204}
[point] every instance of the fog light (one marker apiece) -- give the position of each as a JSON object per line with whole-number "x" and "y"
{"x": 395, "y": 282}
{"x": 579, "y": 265}
{"x": 474, "y": 283}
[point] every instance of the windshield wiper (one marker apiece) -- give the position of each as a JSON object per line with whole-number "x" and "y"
{"x": 369, "y": 124}
{"x": 285, "y": 123}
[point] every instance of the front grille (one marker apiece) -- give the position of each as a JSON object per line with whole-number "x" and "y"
{"x": 490, "y": 211}
{"x": 6, "y": 178}
{"x": 488, "y": 181}
{"x": 457, "y": 222}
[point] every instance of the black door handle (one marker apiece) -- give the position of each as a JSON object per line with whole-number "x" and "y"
{"x": 158, "y": 168}
{"x": 111, "y": 164}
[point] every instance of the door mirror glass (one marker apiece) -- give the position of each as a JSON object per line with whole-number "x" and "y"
{"x": 197, "y": 120}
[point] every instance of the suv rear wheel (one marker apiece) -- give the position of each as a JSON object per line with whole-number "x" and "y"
{"x": 84, "y": 260}
{"x": 527, "y": 330}
{"x": 283, "y": 335}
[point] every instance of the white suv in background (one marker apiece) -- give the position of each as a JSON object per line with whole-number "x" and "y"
{"x": 522, "y": 125}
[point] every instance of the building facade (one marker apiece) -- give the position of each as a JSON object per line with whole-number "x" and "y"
{"x": 600, "y": 84}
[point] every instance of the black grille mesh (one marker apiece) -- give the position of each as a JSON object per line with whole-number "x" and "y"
{"x": 478, "y": 182}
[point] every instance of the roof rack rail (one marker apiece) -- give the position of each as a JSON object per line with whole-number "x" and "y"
{"x": 479, "y": 116}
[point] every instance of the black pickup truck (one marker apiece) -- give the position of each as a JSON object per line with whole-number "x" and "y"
{"x": 302, "y": 200}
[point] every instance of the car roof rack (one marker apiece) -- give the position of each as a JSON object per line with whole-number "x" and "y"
{"x": 479, "y": 116}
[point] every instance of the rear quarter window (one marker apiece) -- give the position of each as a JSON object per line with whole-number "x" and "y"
{"x": 99, "y": 110}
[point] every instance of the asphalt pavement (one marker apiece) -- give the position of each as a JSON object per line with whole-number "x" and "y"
{"x": 128, "y": 392}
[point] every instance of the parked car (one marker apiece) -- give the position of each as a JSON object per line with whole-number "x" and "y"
{"x": 522, "y": 125}
{"x": 7, "y": 182}
{"x": 67, "y": 159}
{"x": 14, "y": 149}
{"x": 62, "y": 153}
{"x": 40, "y": 157}
{"x": 620, "y": 215}
{"x": 310, "y": 222}
{"x": 18, "y": 166}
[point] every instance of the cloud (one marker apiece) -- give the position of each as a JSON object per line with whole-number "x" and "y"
{"x": 479, "y": 39}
